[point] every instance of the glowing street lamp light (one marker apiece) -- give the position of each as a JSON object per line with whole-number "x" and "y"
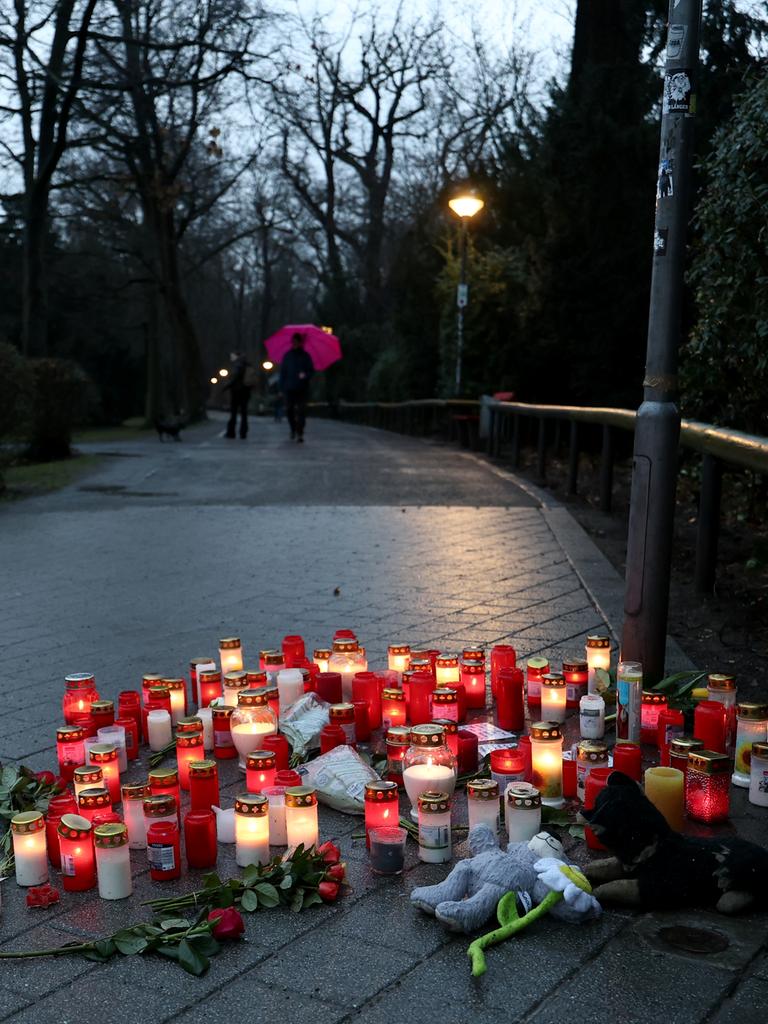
{"x": 223, "y": 373}
{"x": 465, "y": 207}
{"x": 214, "y": 380}
{"x": 267, "y": 365}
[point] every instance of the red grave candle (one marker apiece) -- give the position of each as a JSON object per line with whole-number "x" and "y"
{"x": 203, "y": 785}
{"x": 576, "y": 676}
{"x": 671, "y": 725}
{"x": 93, "y": 801}
{"x": 628, "y": 758}
{"x": 103, "y": 713}
{"x": 421, "y": 686}
{"x": 255, "y": 678}
{"x": 473, "y": 681}
{"x": 129, "y": 706}
{"x": 392, "y": 708}
{"x": 570, "y": 777}
{"x": 382, "y": 806}
{"x": 507, "y": 765}
{"x": 707, "y": 786}
{"x": 189, "y": 748}
{"x": 287, "y": 777}
{"x": 398, "y": 742}
{"x": 679, "y": 750}
{"x": 524, "y": 745}
{"x": 209, "y": 686}
{"x": 451, "y": 730}
{"x": 328, "y": 687}
{"x": 445, "y": 704}
{"x": 534, "y": 670}
{"x": 131, "y": 736}
{"x": 502, "y": 656}
{"x": 510, "y": 712}
{"x": 148, "y": 680}
{"x": 260, "y": 768}
{"x": 331, "y": 736}
{"x": 293, "y": 650}
{"x": 365, "y": 686}
{"x": 79, "y": 691}
{"x": 165, "y": 782}
{"x": 223, "y": 745}
{"x": 710, "y": 725}
{"x": 200, "y": 838}
{"x": 58, "y": 806}
{"x": 650, "y": 708}
{"x": 163, "y": 851}
{"x": 76, "y": 855}
{"x": 468, "y": 758}
{"x": 362, "y": 723}
{"x": 596, "y": 781}
{"x": 85, "y": 722}
{"x": 277, "y": 743}
{"x": 70, "y": 747}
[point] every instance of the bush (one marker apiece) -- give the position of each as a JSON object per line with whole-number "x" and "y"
{"x": 61, "y": 394}
{"x": 16, "y": 388}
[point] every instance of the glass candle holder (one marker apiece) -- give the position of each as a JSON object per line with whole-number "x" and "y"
{"x": 652, "y": 706}
{"x": 277, "y": 831}
{"x": 133, "y": 795}
{"x": 102, "y": 713}
{"x": 553, "y": 697}
{"x": 189, "y": 748}
{"x": 260, "y": 768}
{"x": 251, "y": 722}
{"x": 451, "y": 730}
{"x": 523, "y": 812}
{"x": 398, "y": 657}
{"x": 321, "y": 656}
{"x": 105, "y": 756}
{"x": 362, "y": 722}
{"x": 596, "y": 782}
{"x": 592, "y": 716}
{"x": 69, "y": 747}
{"x": 200, "y": 843}
{"x": 159, "y": 807}
{"x": 510, "y": 707}
{"x": 758, "y": 775}
{"x": 679, "y": 750}
{"x": 710, "y": 725}
{"x": 203, "y": 785}
{"x": 507, "y": 765}
{"x": 223, "y": 745}
{"x": 629, "y": 696}
{"x": 149, "y": 680}
{"x": 91, "y": 802}
{"x": 576, "y": 676}
{"x": 589, "y": 754}
{"x": 273, "y": 664}
{"x": 473, "y": 680}
{"x": 382, "y": 807}
{"x": 293, "y": 650}
{"x": 209, "y": 683}
{"x": 503, "y": 656}
{"x": 347, "y": 659}
{"x": 628, "y": 758}
{"x": 664, "y": 787}
{"x": 79, "y": 693}
{"x": 165, "y": 782}
{"x": 301, "y": 816}
{"x": 159, "y": 729}
{"x": 751, "y": 727}
{"x": 445, "y": 704}
{"x": 29, "y": 848}
{"x": 196, "y": 666}
{"x": 230, "y": 655}
{"x": 447, "y": 669}
{"x": 76, "y": 853}
{"x": 251, "y": 829}
{"x": 671, "y": 725}
{"x": 428, "y": 765}
{"x": 387, "y": 846}
{"x": 114, "y": 735}
{"x": 129, "y": 706}
{"x": 392, "y": 708}
{"x": 164, "y": 851}
{"x": 707, "y": 786}
{"x": 535, "y": 668}
{"x": 421, "y": 685}
{"x": 468, "y": 756}
{"x": 290, "y": 688}
{"x": 398, "y": 742}
{"x": 722, "y": 688}
{"x": 87, "y": 776}
{"x": 58, "y": 805}
{"x": 483, "y": 803}
{"x": 434, "y": 816}
{"x": 598, "y": 652}
{"x": 234, "y": 684}
{"x": 547, "y": 762}
{"x": 130, "y": 738}
{"x": 331, "y": 736}
{"x": 328, "y": 687}
{"x": 113, "y": 861}
{"x": 343, "y": 715}
{"x": 366, "y": 687}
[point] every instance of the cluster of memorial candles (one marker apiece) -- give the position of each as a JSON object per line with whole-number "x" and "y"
{"x": 419, "y": 703}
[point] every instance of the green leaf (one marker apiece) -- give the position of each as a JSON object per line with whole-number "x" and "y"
{"x": 298, "y": 901}
{"x": 129, "y": 943}
{"x": 171, "y": 952}
{"x": 577, "y": 831}
{"x": 287, "y": 882}
{"x": 105, "y": 948}
{"x": 311, "y": 897}
{"x": 192, "y": 960}
{"x": 9, "y": 776}
{"x": 174, "y": 924}
{"x": 268, "y": 894}
{"x": 93, "y": 954}
{"x": 205, "y": 944}
{"x": 249, "y": 900}
{"x": 251, "y": 874}
{"x": 211, "y": 881}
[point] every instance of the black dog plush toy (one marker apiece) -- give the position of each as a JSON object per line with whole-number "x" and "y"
{"x": 654, "y": 867}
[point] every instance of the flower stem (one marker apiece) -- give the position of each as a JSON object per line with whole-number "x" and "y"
{"x": 81, "y": 947}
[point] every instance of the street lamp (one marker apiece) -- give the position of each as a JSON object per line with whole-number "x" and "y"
{"x": 465, "y": 206}
{"x": 214, "y": 380}
{"x": 267, "y": 365}
{"x": 223, "y": 373}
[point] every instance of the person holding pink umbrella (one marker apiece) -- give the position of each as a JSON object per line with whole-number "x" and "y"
{"x": 296, "y": 371}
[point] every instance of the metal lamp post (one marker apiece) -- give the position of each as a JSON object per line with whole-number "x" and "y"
{"x": 465, "y": 207}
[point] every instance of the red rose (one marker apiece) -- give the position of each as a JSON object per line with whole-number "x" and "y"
{"x": 336, "y": 872}
{"x": 328, "y": 891}
{"x": 46, "y": 778}
{"x": 330, "y": 853}
{"x": 61, "y": 784}
{"x": 42, "y": 895}
{"x": 228, "y": 923}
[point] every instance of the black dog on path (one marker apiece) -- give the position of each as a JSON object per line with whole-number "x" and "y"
{"x": 654, "y": 867}
{"x": 172, "y": 428}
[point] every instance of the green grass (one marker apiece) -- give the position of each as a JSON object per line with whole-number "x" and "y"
{"x": 130, "y": 430}
{"x": 26, "y": 481}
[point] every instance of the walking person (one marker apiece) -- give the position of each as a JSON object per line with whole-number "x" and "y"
{"x": 239, "y": 394}
{"x": 296, "y": 371}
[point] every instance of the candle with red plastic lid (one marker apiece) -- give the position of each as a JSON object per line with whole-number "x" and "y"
{"x": 710, "y": 725}
{"x": 597, "y": 780}
{"x": 535, "y": 668}
{"x": 70, "y": 749}
{"x": 365, "y": 686}
{"x": 76, "y": 855}
{"x": 260, "y": 769}
{"x": 628, "y": 758}
{"x": 382, "y": 806}
{"x": 328, "y": 687}
{"x": 468, "y": 756}
{"x": 331, "y": 736}
{"x": 503, "y": 656}
{"x": 362, "y": 722}
{"x": 279, "y": 744}
{"x": 510, "y": 710}
{"x": 203, "y": 785}
{"x": 651, "y": 707}
{"x": 392, "y": 708}
{"x": 473, "y": 681}
{"x": 200, "y": 838}
{"x": 671, "y": 725}
{"x": 293, "y": 650}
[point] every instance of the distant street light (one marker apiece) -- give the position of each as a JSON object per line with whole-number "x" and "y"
{"x": 267, "y": 365}
{"x": 465, "y": 207}
{"x": 223, "y": 373}
{"x": 214, "y": 380}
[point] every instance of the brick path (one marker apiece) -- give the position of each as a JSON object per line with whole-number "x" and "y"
{"x": 146, "y": 563}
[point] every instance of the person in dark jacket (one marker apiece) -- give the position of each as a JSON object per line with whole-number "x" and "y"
{"x": 239, "y": 395}
{"x": 296, "y": 372}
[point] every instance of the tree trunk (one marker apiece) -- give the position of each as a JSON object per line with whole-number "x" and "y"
{"x": 34, "y": 329}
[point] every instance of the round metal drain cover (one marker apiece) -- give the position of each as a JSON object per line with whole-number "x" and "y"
{"x": 694, "y": 940}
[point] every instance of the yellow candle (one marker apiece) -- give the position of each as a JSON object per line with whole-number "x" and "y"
{"x": 547, "y": 762}
{"x": 251, "y": 830}
{"x": 301, "y": 816}
{"x": 664, "y": 787}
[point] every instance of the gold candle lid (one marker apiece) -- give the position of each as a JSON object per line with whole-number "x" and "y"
{"x": 395, "y": 649}
{"x": 321, "y": 653}
{"x": 103, "y": 706}
{"x": 203, "y": 769}
{"x": 70, "y": 733}
{"x": 108, "y": 836}
{"x": 709, "y": 762}
{"x": 187, "y": 740}
{"x": 133, "y": 791}
{"x": 159, "y": 690}
{"x": 346, "y": 645}
{"x": 256, "y": 678}
{"x": 273, "y": 658}
{"x": 173, "y": 684}
{"x": 430, "y": 735}
{"x": 752, "y": 712}
{"x": 379, "y": 791}
{"x": 434, "y": 802}
{"x": 88, "y": 773}
{"x": 26, "y": 822}
{"x": 151, "y": 677}
{"x": 192, "y": 724}
{"x": 483, "y": 789}
{"x": 261, "y": 760}
{"x": 163, "y": 776}
{"x": 159, "y": 805}
{"x": 444, "y": 661}
{"x": 229, "y": 643}
{"x": 523, "y": 797}
{"x": 449, "y": 726}
{"x": 212, "y": 676}
{"x": 683, "y": 745}
{"x": 399, "y": 734}
{"x": 649, "y": 698}
{"x": 473, "y": 652}
{"x": 760, "y": 749}
{"x": 597, "y": 641}
{"x": 221, "y": 711}
{"x": 721, "y": 681}
{"x": 253, "y": 804}
{"x": 103, "y": 753}
{"x": 301, "y": 796}
{"x": 445, "y": 695}
{"x": 74, "y": 826}
{"x": 575, "y": 663}
{"x": 253, "y": 698}
{"x": 236, "y": 680}
{"x": 537, "y": 663}
{"x": 392, "y": 693}
{"x": 553, "y": 680}
{"x": 546, "y": 731}
{"x": 592, "y": 751}
{"x": 79, "y": 681}
{"x": 94, "y": 798}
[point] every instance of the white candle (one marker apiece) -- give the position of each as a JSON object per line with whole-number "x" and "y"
{"x": 398, "y": 657}
{"x": 247, "y": 736}
{"x": 251, "y": 829}
{"x": 115, "y": 735}
{"x": 547, "y": 762}
{"x": 553, "y": 697}
{"x": 159, "y": 729}
{"x": 598, "y": 656}
{"x": 230, "y": 655}
{"x": 421, "y": 777}
{"x": 113, "y": 861}
{"x": 29, "y": 848}
{"x": 276, "y": 796}
{"x": 290, "y": 687}
{"x": 177, "y": 693}
{"x": 483, "y": 804}
{"x": 592, "y": 716}
{"x": 523, "y": 812}
{"x": 88, "y": 776}
{"x": 133, "y": 815}
{"x": 206, "y": 717}
{"x": 301, "y": 816}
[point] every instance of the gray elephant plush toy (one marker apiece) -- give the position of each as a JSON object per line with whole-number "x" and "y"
{"x": 470, "y": 894}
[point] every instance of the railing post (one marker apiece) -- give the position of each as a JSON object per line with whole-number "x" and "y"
{"x": 541, "y": 457}
{"x": 515, "y": 441}
{"x": 606, "y": 469}
{"x": 573, "y": 459}
{"x": 498, "y": 425}
{"x": 708, "y": 532}
{"x": 491, "y": 430}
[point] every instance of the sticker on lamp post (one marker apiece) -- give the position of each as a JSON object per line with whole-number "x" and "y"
{"x": 462, "y": 296}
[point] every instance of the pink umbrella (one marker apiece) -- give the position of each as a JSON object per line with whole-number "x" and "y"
{"x": 323, "y": 347}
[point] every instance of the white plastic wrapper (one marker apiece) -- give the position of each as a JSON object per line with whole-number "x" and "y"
{"x": 340, "y": 777}
{"x": 303, "y": 722}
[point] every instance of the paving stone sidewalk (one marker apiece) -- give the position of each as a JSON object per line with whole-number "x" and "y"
{"x": 167, "y": 547}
